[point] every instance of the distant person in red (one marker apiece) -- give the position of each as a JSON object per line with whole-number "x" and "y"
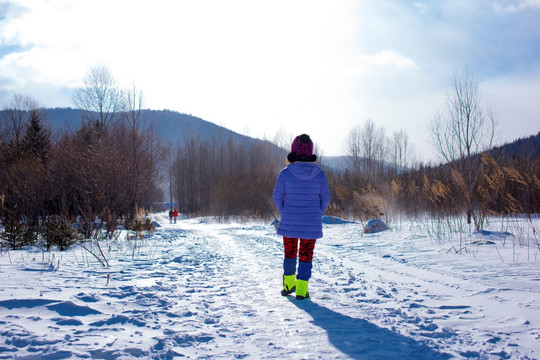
{"x": 175, "y": 215}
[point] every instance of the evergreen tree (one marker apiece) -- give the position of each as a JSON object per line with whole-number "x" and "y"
{"x": 37, "y": 140}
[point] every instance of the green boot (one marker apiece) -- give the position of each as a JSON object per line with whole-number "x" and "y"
{"x": 301, "y": 289}
{"x": 289, "y": 284}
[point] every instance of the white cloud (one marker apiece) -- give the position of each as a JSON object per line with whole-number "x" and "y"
{"x": 511, "y": 7}
{"x": 421, "y": 6}
{"x": 387, "y": 58}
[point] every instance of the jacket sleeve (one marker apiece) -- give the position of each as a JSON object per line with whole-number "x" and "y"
{"x": 279, "y": 193}
{"x": 325, "y": 194}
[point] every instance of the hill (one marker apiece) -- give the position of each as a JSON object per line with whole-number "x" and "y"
{"x": 528, "y": 148}
{"x": 171, "y": 126}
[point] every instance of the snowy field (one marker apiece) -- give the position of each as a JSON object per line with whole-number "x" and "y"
{"x": 207, "y": 290}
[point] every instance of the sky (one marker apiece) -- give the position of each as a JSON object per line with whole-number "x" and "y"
{"x": 266, "y": 67}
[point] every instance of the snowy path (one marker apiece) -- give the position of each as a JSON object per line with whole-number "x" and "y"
{"x": 200, "y": 290}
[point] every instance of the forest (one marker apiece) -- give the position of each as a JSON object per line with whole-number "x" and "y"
{"x": 58, "y": 189}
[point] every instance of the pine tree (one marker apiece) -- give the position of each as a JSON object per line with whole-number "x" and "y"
{"x": 37, "y": 140}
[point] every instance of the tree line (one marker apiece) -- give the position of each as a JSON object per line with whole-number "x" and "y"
{"x": 221, "y": 177}
{"x": 473, "y": 180}
{"x": 55, "y": 188}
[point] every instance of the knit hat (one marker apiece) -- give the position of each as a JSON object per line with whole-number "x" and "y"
{"x": 302, "y": 145}
{"x": 302, "y": 149}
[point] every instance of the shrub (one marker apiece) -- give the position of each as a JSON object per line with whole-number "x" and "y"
{"x": 140, "y": 224}
{"x": 57, "y": 231}
{"x": 17, "y": 233}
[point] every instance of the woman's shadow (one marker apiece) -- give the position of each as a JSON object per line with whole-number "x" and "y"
{"x": 360, "y": 339}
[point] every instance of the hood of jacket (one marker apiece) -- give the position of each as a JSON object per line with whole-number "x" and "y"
{"x": 304, "y": 170}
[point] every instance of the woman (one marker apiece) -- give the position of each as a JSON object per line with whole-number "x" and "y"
{"x": 301, "y": 196}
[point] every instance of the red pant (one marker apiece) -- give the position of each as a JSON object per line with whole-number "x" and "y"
{"x": 306, "y": 248}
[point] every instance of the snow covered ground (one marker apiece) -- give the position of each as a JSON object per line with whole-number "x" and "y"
{"x": 208, "y": 290}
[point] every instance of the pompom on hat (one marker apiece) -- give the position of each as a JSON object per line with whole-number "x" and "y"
{"x": 302, "y": 149}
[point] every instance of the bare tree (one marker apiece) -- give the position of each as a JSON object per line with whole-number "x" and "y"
{"x": 100, "y": 98}
{"x": 367, "y": 151}
{"x": 400, "y": 151}
{"x": 16, "y": 118}
{"x": 134, "y": 104}
{"x": 465, "y": 128}
{"x": 283, "y": 139}
{"x": 352, "y": 148}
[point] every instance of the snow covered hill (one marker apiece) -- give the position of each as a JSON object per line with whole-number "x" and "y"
{"x": 208, "y": 290}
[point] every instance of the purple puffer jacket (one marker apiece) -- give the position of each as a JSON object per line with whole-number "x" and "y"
{"x": 301, "y": 196}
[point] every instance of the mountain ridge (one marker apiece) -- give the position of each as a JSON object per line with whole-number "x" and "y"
{"x": 173, "y": 126}
{"x": 169, "y": 125}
